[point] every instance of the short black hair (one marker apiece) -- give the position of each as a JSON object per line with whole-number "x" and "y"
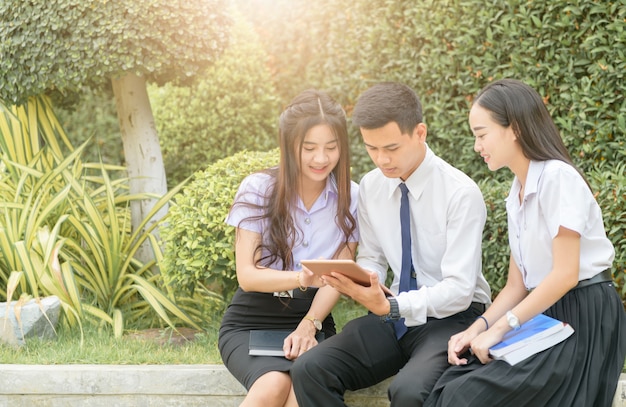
{"x": 388, "y": 102}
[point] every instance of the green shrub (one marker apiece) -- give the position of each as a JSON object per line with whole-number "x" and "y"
{"x": 199, "y": 245}
{"x": 65, "y": 230}
{"x": 572, "y": 52}
{"x": 231, "y": 107}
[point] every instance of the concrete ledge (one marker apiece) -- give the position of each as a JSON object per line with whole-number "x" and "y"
{"x": 150, "y": 385}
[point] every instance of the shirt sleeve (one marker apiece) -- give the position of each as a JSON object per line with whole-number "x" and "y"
{"x": 564, "y": 200}
{"x": 370, "y": 253}
{"x": 250, "y": 192}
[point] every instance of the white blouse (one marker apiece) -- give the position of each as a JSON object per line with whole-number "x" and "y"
{"x": 555, "y": 195}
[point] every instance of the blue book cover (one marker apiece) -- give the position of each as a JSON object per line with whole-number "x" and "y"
{"x": 536, "y": 335}
{"x": 538, "y": 327}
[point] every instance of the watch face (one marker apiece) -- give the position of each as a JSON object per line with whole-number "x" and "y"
{"x": 318, "y": 324}
{"x": 512, "y": 320}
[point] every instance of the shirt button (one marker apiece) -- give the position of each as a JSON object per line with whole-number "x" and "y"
{"x": 307, "y": 221}
{"x": 298, "y": 265}
{"x": 305, "y": 243}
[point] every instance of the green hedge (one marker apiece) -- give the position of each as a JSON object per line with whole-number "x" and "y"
{"x": 572, "y": 52}
{"x": 199, "y": 245}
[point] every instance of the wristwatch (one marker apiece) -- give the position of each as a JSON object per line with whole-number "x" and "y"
{"x": 394, "y": 310}
{"x": 316, "y": 322}
{"x": 512, "y": 320}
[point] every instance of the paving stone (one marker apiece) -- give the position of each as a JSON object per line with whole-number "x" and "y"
{"x": 151, "y": 386}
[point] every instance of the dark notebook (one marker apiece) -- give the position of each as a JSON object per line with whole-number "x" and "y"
{"x": 270, "y": 342}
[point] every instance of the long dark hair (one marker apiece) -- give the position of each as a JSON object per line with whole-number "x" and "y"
{"x": 307, "y": 110}
{"x": 513, "y": 103}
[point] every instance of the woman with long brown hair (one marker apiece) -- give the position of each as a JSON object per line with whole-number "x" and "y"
{"x": 303, "y": 209}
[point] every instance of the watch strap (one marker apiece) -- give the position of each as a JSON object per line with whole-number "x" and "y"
{"x": 394, "y": 310}
{"x": 316, "y": 322}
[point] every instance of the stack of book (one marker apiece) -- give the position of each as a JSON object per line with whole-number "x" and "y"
{"x": 536, "y": 335}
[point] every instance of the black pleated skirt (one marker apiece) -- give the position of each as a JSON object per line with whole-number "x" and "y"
{"x": 249, "y": 311}
{"x": 581, "y": 371}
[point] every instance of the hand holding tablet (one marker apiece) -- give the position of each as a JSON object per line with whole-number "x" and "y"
{"x": 348, "y": 268}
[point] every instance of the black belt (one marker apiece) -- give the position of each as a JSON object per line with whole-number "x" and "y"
{"x": 601, "y": 277}
{"x": 479, "y": 306}
{"x": 296, "y": 293}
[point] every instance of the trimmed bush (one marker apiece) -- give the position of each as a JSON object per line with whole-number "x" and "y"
{"x": 199, "y": 245}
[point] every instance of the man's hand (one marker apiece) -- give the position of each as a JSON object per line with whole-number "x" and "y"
{"x": 373, "y": 297}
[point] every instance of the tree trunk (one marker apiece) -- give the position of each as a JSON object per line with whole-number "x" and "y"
{"x": 144, "y": 161}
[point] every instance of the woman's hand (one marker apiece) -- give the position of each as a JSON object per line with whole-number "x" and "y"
{"x": 458, "y": 345}
{"x": 481, "y": 344}
{"x": 308, "y": 279}
{"x": 300, "y": 340}
{"x": 468, "y": 340}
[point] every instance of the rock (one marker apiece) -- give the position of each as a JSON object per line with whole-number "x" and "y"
{"x": 32, "y": 321}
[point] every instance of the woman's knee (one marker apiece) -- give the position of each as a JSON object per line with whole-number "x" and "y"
{"x": 271, "y": 389}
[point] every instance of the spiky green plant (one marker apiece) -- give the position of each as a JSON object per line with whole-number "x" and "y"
{"x": 66, "y": 226}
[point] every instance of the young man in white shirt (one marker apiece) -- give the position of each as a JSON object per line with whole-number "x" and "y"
{"x": 447, "y": 290}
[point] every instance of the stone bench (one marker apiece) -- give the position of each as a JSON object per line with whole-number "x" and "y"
{"x": 150, "y": 385}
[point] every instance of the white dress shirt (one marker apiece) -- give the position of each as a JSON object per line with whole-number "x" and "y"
{"x": 555, "y": 195}
{"x": 447, "y": 219}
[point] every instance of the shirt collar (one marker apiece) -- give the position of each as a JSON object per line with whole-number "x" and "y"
{"x": 331, "y": 186}
{"x": 535, "y": 169}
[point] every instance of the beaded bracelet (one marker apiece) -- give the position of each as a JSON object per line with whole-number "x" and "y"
{"x": 299, "y": 284}
{"x": 484, "y": 319}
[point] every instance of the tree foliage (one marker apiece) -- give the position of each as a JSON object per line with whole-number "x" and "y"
{"x": 62, "y": 45}
{"x": 59, "y": 46}
{"x": 231, "y": 106}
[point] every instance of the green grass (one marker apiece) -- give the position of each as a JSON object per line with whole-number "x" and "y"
{"x": 103, "y": 348}
{"x": 100, "y": 347}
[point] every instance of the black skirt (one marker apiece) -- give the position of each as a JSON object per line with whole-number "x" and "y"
{"x": 581, "y": 371}
{"x": 252, "y": 310}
